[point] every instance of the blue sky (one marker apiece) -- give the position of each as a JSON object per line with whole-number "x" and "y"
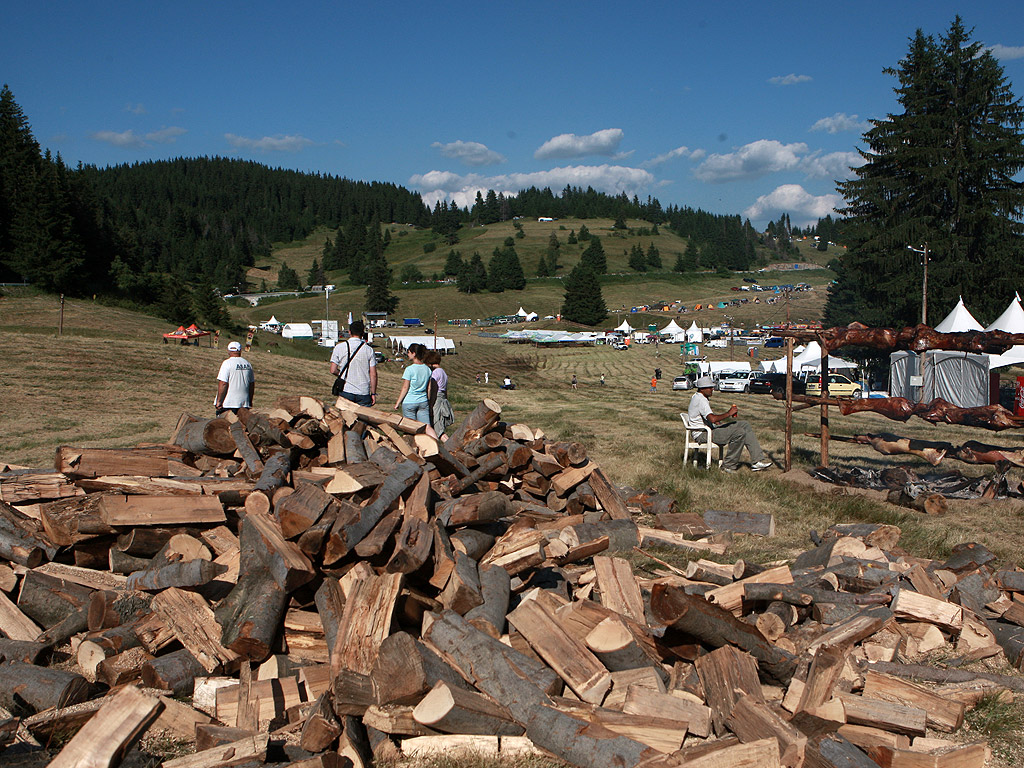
{"x": 733, "y": 107}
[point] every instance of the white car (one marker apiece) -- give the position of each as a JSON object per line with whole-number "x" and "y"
{"x": 734, "y": 381}
{"x": 717, "y": 343}
{"x": 681, "y": 382}
{"x": 620, "y": 345}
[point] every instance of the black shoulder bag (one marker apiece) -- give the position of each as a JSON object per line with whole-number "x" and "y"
{"x": 339, "y": 383}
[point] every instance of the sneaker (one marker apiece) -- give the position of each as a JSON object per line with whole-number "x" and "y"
{"x": 760, "y": 465}
{"x": 730, "y": 470}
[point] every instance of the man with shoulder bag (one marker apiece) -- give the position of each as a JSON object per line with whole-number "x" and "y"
{"x": 354, "y": 366}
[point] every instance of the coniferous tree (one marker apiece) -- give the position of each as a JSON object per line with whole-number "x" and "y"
{"x": 679, "y": 265}
{"x": 653, "y": 256}
{"x": 543, "y": 270}
{"x": 637, "y": 260}
{"x": 583, "y": 300}
{"x": 378, "y": 287}
{"x": 473, "y": 277}
{"x": 453, "y": 264}
{"x": 410, "y": 274}
{"x": 584, "y": 233}
{"x": 316, "y": 275}
{"x": 554, "y": 248}
{"x": 572, "y": 239}
{"x": 594, "y": 256}
{"x": 941, "y": 172}
{"x": 287, "y": 278}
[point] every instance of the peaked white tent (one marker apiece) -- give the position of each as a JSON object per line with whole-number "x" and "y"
{"x": 521, "y": 312}
{"x": 959, "y": 320}
{"x": 694, "y": 334}
{"x": 1011, "y": 321}
{"x": 670, "y": 330}
{"x": 531, "y": 317}
{"x": 625, "y": 327}
{"x": 807, "y": 360}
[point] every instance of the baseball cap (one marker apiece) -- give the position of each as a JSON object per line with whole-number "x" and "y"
{"x": 234, "y": 346}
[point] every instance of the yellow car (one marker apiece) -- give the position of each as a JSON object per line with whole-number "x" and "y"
{"x": 838, "y": 386}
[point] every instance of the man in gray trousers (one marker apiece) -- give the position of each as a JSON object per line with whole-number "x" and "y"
{"x": 733, "y": 436}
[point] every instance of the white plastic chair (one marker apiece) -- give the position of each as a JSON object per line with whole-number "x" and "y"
{"x": 691, "y": 427}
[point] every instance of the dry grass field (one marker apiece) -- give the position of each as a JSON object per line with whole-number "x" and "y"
{"x": 110, "y": 382}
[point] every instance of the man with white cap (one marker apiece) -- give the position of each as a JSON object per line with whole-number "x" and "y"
{"x": 235, "y": 381}
{"x": 733, "y": 437}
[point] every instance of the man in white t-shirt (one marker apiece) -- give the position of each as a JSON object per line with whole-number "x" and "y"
{"x": 236, "y": 383}
{"x": 733, "y": 437}
{"x": 361, "y": 372}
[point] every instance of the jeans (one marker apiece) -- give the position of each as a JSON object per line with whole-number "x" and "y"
{"x": 366, "y": 400}
{"x": 417, "y": 411}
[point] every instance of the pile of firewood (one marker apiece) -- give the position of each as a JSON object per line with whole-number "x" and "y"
{"x": 323, "y": 587}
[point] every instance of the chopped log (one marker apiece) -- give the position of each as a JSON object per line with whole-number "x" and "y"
{"x": 39, "y": 688}
{"x": 619, "y": 589}
{"x": 122, "y": 668}
{"x": 717, "y": 627}
{"x": 302, "y": 509}
{"x": 19, "y": 541}
{"x": 275, "y": 472}
{"x": 365, "y": 623}
{"x": 651, "y": 537}
{"x": 195, "y": 626}
{"x": 206, "y": 436}
{"x": 911, "y": 605}
{"x": 160, "y": 510}
{"x": 623, "y": 535}
{"x": 103, "y": 741}
{"x": 31, "y": 485}
{"x": 50, "y": 600}
{"x": 833, "y": 751}
{"x": 650, "y": 703}
{"x": 929, "y": 503}
{"x": 564, "y": 653}
{"x": 491, "y": 464}
{"x": 321, "y": 727}
{"x": 456, "y": 710}
{"x": 495, "y": 589}
{"x": 612, "y": 501}
{"x": 886, "y": 715}
{"x": 412, "y": 546}
{"x": 942, "y": 714}
{"x": 759, "y": 524}
{"x": 191, "y": 573}
{"x": 752, "y": 720}
{"x": 854, "y": 629}
{"x": 21, "y": 650}
{"x": 826, "y": 669}
{"x": 14, "y": 623}
{"x": 349, "y": 531}
{"x": 261, "y": 703}
{"x": 516, "y": 550}
{"x": 405, "y": 670}
{"x": 617, "y": 647}
{"x": 885, "y": 537}
{"x": 353, "y": 478}
{"x": 564, "y": 482}
{"x": 473, "y": 542}
{"x": 463, "y": 592}
{"x": 174, "y": 672}
{"x": 249, "y": 749}
{"x": 481, "y": 420}
{"x": 730, "y": 596}
{"x": 726, "y": 675}
{"x": 769, "y": 593}
{"x": 473, "y": 509}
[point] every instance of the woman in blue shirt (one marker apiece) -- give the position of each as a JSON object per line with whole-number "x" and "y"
{"x": 413, "y": 395}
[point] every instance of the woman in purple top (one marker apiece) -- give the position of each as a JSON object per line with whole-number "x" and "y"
{"x": 440, "y": 409}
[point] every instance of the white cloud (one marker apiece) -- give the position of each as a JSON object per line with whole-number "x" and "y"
{"x": 135, "y": 109}
{"x": 445, "y": 185}
{"x": 469, "y": 152}
{"x": 604, "y": 142}
{"x": 166, "y": 135}
{"x": 672, "y": 154}
{"x": 750, "y": 161}
{"x": 1007, "y": 52}
{"x": 790, "y": 79}
{"x": 803, "y": 207}
{"x": 841, "y": 121}
{"x": 835, "y": 165}
{"x": 698, "y": 154}
{"x": 127, "y": 139}
{"x": 278, "y": 143}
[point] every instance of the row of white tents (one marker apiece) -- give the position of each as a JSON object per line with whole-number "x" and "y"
{"x": 673, "y": 332}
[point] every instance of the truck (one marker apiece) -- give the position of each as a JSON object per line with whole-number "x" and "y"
{"x": 412, "y": 322}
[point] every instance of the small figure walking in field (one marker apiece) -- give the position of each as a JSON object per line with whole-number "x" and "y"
{"x": 487, "y": 377}
{"x": 574, "y": 382}
{"x": 654, "y": 383}
{"x": 478, "y": 377}
{"x": 602, "y": 379}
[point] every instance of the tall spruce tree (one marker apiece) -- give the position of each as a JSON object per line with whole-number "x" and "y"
{"x": 378, "y": 287}
{"x": 583, "y": 300}
{"x": 594, "y": 256}
{"x": 940, "y": 172}
{"x": 473, "y": 277}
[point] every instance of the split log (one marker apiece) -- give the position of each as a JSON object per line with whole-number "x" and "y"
{"x": 195, "y": 626}
{"x": 19, "y": 541}
{"x": 752, "y": 720}
{"x": 493, "y": 463}
{"x": 717, "y": 627}
{"x": 727, "y": 674}
{"x": 481, "y": 420}
{"x": 160, "y": 510}
{"x": 886, "y": 715}
{"x": 495, "y": 589}
{"x": 365, "y": 623}
{"x": 405, "y": 670}
{"x": 456, "y": 710}
{"x": 618, "y": 587}
{"x": 650, "y": 703}
{"x": 206, "y": 436}
{"x": 111, "y": 732}
{"x": 412, "y": 546}
{"x": 321, "y": 727}
{"x": 251, "y": 749}
{"x": 617, "y": 647}
{"x": 929, "y": 503}
{"x": 473, "y": 509}
{"x": 15, "y": 624}
{"x": 302, "y": 509}
{"x": 275, "y": 472}
{"x": 175, "y": 672}
{"x": 941, "y": 713}
{"x": 50, "y": 600}
{"x": 122, "y": 668}
{"x": 759, "y": 524}
{"x": 69, "y": 521}
{"x": 462, "y": 593}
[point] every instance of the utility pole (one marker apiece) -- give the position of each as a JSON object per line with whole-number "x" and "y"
{"x": 923, "y": 250}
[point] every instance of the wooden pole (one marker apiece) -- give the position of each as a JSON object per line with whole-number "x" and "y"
{"x": 824, "y": 406}
{"x": 60, "y": 329}
{"x": 789, "y": 404}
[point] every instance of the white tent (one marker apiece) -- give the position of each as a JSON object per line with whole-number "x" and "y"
{"x": 694, "y": 334}
{"x": 521, "y": 312}
{"x": 1011, "y": 321}
{"x": 430, "y": 342}
{"x": 625, "y": 327}
{"x": 959, "y": 320}
{"x": 957, "y": 377}
{"x": 808, "y": 360}
{"x": 297, "y": 331}
{"x": 531, "y": 317}
{"x": 671, "y": 330}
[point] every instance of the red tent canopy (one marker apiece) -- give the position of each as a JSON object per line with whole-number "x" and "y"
{"x": 184, "y": 334}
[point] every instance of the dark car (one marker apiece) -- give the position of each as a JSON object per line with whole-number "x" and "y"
{"x": 769, "y": 383}
{"x": 775, "y": 341}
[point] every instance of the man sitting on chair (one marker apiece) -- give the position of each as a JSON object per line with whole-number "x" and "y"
{"x": 732, "y": 437}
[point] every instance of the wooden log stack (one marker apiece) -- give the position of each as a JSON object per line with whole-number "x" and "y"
{"x": 333, "y": 583}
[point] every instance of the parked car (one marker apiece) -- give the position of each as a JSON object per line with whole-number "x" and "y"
{"x": 774, "y": 341}
{"x": 838, "y": 385}
{"x": 682, "y": 382}
{"x": 379, "y": 356}
{"x": 717, "y": 343}
{"x": 620, "y": 345}
{"x": 769, "y": 383}
{"x": 734, "y": 381}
